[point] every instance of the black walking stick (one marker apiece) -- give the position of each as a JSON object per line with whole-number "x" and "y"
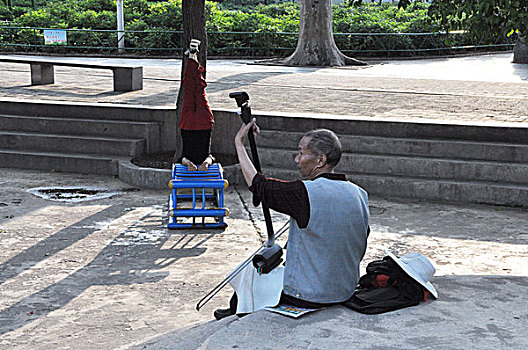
{"x": 269, "y": 255}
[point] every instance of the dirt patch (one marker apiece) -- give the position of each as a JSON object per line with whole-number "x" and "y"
{"x": 73, "y": 194}
{"x": 163, "y": 160}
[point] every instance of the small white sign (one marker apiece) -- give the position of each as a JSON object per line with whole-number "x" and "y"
{"x": 55, "y": 37}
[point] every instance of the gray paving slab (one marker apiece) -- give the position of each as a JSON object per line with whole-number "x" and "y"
{"x": 106, "y": 274}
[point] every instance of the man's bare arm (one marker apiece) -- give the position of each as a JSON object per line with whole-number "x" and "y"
{"x": 248, "y": 169}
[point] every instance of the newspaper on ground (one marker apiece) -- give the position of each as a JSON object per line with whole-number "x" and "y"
{"x": 289, "y": 310}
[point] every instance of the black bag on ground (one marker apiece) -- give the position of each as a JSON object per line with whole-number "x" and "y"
{"x": 385, "y": 287}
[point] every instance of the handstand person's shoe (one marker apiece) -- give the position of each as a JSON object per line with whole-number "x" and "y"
{"x": 223, "y": 313}
{"x": 192, "y": 51}
{"x": 193, "y": 47}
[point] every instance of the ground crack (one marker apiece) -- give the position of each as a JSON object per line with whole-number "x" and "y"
{"x": 261, "y": 235}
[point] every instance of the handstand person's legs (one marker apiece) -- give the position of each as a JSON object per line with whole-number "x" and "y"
{"x": 196, "y": 120}
{"x": 196, "y": 146}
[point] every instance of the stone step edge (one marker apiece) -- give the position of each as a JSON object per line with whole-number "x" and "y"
{"x": 350, "y": 177}
{"x": 456, "y": 191}
{"x": 36, "y": 101}
{"x": 68, "y": 136}
{"x": 153, "y": 178}
{"x": 158, "y": 179}
{"x": 73, "y": 120}
{"x": 401, "y": 139}
{"x": 345, "y": 117}
{"x": 236, "y": 173}
{"x": 413, "y": 157}
{"x": 96, "y": 156}
{"x": 70, "y": 163}
{"x": 266, "y": 170}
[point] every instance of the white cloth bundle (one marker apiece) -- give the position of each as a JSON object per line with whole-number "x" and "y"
{"x": 256, "y": 291}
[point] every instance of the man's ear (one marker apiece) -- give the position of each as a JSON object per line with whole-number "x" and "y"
{"x": 321, "y": 160}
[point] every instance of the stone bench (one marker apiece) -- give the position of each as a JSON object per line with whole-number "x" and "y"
{"x": 126, "y": 77}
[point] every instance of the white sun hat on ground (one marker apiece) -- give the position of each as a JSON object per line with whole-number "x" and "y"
{"x": 418, "y": 267}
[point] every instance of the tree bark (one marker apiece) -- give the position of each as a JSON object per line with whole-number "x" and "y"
{"x": 193, "y": 18}
{"x": 316, "y": 45}
{"x": 520, "y": 50}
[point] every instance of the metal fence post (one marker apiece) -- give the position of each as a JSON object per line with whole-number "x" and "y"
{"x": 120, "y": 27}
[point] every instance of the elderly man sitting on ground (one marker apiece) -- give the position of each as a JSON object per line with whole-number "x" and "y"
{"x": 328, "y": 228}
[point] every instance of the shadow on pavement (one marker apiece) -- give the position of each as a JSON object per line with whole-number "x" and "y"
{"x": 241, "y": 79}
{"x": 122, "y": 262}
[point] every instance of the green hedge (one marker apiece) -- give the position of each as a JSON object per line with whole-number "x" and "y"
{"x": 153, "y": 26}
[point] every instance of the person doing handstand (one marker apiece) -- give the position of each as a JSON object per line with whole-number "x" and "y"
{"x": 329, "y": 222}
{"x": 196, "y": 122}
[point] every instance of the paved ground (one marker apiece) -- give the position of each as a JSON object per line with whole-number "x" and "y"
{"x": 106, "y": 274}
{"x": 478, "y": 88}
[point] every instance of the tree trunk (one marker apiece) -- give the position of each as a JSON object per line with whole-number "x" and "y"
{"x": 193, "y": 16}
{"x": 520, "y": 50}
{"x": 316, "y": 45}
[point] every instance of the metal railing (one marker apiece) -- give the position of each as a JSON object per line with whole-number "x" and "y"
{"x": 238, "y": 44}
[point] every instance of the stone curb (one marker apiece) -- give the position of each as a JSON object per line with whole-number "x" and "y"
{"x": 158, "y": 179}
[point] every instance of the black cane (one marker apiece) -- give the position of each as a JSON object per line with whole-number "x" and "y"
{"x": 270, "y": 257}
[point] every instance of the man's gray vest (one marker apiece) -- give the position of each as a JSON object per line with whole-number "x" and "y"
{"x": 322, "y": 260}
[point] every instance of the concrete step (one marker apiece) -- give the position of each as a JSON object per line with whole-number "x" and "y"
{"x": 449, "y": 149}
{"x": 482, "y": 192}
{"x": 82, "y": 110}
{"x": 165, "y": 116}
{"x": 415, "y": 167}
{"x": 86, "y": 127}
{"x": 62, "y": 162}
{"x": 437, "y": 130}
{"x": 73, "y": 144}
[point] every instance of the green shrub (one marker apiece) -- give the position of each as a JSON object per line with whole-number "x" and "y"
{"x": 40, "y": 18}
{"x": 11, "y": 13}
{"x": 487, "y": 20}
{"x": 166, "y": 14}
{"x": 91, "y": 19}
{"x": 151, "y": 25}
{"x": 96, "y": 5}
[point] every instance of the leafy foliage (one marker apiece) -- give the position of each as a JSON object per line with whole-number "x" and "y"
{"x": 384, "y": 18}
{"x": 487, "y": 19}
{"x": 153, "y": 26}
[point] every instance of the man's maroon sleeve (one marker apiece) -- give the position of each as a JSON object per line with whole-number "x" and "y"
{"x": 287, "y": 197}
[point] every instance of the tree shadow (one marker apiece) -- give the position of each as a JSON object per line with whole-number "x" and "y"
{"x": 52, "y": 244}
{"x": 125, "y": 261}
{"x": 233, "y": 81}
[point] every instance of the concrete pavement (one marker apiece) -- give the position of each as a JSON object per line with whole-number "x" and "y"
{"x": 106, "y": 274}
{"x": 484, "y": 89}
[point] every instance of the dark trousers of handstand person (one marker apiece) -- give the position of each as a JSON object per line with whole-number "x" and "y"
{"x": 196, "y": 122}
